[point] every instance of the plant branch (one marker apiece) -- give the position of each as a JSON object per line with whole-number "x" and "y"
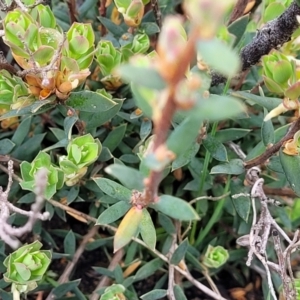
{"x": 8, "y": 233}
{"x": 273, "y": 149}
{"x": 271, "y": 36}
{"x": 162, "y": 123}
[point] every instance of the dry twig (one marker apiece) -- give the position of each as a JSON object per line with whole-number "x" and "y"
{"x": 9, "y": 233}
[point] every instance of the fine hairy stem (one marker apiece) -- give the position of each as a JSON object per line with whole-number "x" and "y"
{"x": 162, "y": 124}
{"x": 275, "y": 148}
{"x": 272, "y": 35}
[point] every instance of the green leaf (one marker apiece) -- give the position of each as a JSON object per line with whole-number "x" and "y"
{"x": 178, "y": 293}
{"x": 217, "y": 108}
{"x": 113, "y": 189}
{"x": 267, "y": 131}
{"x": 33, "y": 109}
{"x": 5, "y": 296}
{"x": 113, "y": 213}
{"x": 267, "y": 102}
{"x": 279, "y": 133}
{"x": 145, "y": 129}
{"x": 179, "y": 253}
{"x": 69, "y": 122}
{"x": 238, "y": 28}
{"x": 291, "y": 168}
{"x": 274, "y": 164}
{"x": 129, "y": 158}
{"x": 144, "y": 98}
{"x": 93, "y": 120}
{"x": 43, "y": 55}
{"x": 64, "y": 288}
{"x": 116, "y": 30}
{"x": 22, "y": 270}
{"x": 148, "y": 269}
{"x": 272, "y": 11}
{"x": 22, "y": 131}
{"x": 166, "y": 223}
{"x": 185, "y": 157}
{"x": 115, "y": 137}
{"x": 150, "y": 28}
{"x": 155, "y": 294}
{"x": 6, "y": 146}
{"x": 89, "y": 101}
{"x": 70, "y": 243}
{"x": 215, "y": 148}
{"x": 242, "y": 204}
{"x": 184, "y": 135}
{"x": 231, "y": 134}
{"x": 175, "y": 208}
{"x": 129, "y": 177}
{"x": 144, "y": 76}
{"x": 219, "y": 56}
{"x": 29, "y": 149}
{"x": 147, "y": 230}
{"x": 234, "y": 166}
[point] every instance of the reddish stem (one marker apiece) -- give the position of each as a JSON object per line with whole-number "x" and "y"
{"x": 162, "y": 125}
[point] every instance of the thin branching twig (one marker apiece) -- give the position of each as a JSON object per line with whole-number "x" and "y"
{"x": 9, "y": 233}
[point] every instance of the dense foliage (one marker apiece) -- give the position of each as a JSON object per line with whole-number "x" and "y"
{"x": 162, "y": 142}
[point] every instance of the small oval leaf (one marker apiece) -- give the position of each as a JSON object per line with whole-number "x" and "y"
{"x": 234, "y": 166}
{"x": 155, "y": 294}
{"x": 179, "y": 253}
{"x": 113, "y": 189}
{"x": 215, "y": 148}
{"x": 128, "y": 228}
{"x": 148, "y": 269}
{"x": 113, "y": 213}
{"x": 147, "y": 230}
{"x": 175, "y": 208}
{"x": 267, "y": 131}
{"x": 129, "y": 177}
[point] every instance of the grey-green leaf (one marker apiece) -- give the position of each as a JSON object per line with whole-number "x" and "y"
{"x": 267, "y": 131}
{"x": 242, "y": 204}
{"x": 238, "y": 28}
{"x": 143, "y": 76}
{"x": 147, "y": 230}
{"x": 215, "y": 148}
{"x": 113, "y": 213}
{"x": 234, "y": 166}
{"x": 178, "y": 293}
{"x": 175, "y": 208}
{"x": 6, "y": 146}
{"x": 129, "y": 177}
{"x": 115, "y": 137}
{"x": 268, "y": 102}
{"x": 89, "y": 101}
{"x": 179, "y": 253}
{"x": 113, "y": 189}
{"x": 291, "y": 168}
{"x": 148, "y": 269}
{"x": 219, "y": 56}
{"x": 70, "y": 243}
{"x": 155, "y": 294}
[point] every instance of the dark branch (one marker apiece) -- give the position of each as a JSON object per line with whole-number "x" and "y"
{"x": 273, "y": 35}
{"x": 274, "y": 149}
